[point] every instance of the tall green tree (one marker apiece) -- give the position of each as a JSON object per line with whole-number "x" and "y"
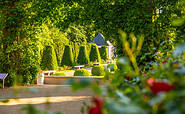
{"x": 83, "y": 58}
{"x": 67, "y": 58}
{"x": 104, "y": 53}
{"x": 19, "y": 50}
{"x": 94, "y": 54}
{"x": 76, "y": 33}
{"x": 49, "y": 60}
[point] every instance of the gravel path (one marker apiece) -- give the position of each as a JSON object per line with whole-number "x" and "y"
{"x": 61, "y": 98}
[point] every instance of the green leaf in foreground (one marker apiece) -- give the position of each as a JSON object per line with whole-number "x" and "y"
{"x": 178, "y": 22}
{"x": 5, "y": 101}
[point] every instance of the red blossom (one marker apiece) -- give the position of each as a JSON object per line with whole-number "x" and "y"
{"x": 95, "y": 110}
{"x": 157, "y": 51}
{"x": 145, "y": 73}
{"x": 164, "y": 34}
{"x": 164, "y": 62}
{"x": 97, "y": 101}
{"x": 150, "y": 81}
{"x": 98, "y": 108}
{"x": 128, "y": 77}
{"x": 150, "y": 69}
{"x": 158, "y": 87}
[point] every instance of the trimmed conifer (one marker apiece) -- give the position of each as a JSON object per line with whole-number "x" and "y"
{"x": 82, "y": 56}
{"x": 49, "y": 60}
{"x": 94, "y": 54}
{"x": 67, "y": 58}
{"x": 104, "y": 53}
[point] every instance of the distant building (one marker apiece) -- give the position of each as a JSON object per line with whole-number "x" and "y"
{"x": 100, "y": 41}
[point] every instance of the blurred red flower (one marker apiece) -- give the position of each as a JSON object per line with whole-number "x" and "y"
{"x": 98, "y": 108}
{"x": 158, "y": 87}
{"x": 128, "y": 77}
{"x": 164, "y": 62}
{"x": 150, "y": 81}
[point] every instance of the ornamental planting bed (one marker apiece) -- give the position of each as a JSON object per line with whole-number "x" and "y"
{"x": 62, "y": 79}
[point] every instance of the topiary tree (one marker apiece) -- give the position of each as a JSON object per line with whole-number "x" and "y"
{"x": 82, "y": 56}
{"x": 82, "y": 72}
{"x": 112, "y": 67}
{"x": 98, "y": 70}
{"x": 67, "y": 58}
{"x": 104, "y": 53}
{"x": 49, "y": 60}
{"x": 94, "y": 54}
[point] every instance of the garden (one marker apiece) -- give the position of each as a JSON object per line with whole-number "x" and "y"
{"x": 148, "y": 70}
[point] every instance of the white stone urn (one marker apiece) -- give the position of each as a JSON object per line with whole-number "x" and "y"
{"x": 40, "y": 79}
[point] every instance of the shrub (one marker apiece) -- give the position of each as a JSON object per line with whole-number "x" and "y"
{"x": 104, "y": 53}
{"x": 82, "y": 56}
{"x": 98, "y": 70}
{"x": 94, "y": 54}
{"x": 49, "y": 60}
{"x": 58, "y": 74}
{"x": 67, "y": 58}
{"x": 112, "y": 67}
{"x": 82, "y": 72}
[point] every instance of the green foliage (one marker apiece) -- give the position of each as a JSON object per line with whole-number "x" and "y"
{"x": 58, "y": 74}
{"x": 88, "y": 48}
{"x": 82, "y": 72}
{"x": 18, "y": 46}
{"x": 67, "y": 58}
{"x": 112, "y": 67}
{"x": 98, "y": 70}
{"x": 104, "y": 53}
{"x": 94, "y": 54}
{"x": 155, "y": 89}
{"x": 48, "y": 35}
{"x": 82, "y": 56}
{"x": 59, "y": 49}
{"x": 76, "y": 33}
{"x": 75, "y": 50}
{"x": 153, "y": 20}
{"x": 49, "y": 60}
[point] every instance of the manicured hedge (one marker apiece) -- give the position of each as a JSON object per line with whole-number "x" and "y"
{"x": 75, "y": 47}
{"x": 67, "y": 58}
{"x": 82, "y": 56}
{"x": 104, "y": 53}
{"x": 98, "y": 70}
{"x": 112, "y": 67}
{"x": 49, "y": 60}
{"x": 94, "y": 54}
{"x": 82, "y": 72}
{"x": 58, "y": 74}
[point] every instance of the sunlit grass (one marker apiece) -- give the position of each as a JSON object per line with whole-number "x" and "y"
{"x": 39, "y": 100}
